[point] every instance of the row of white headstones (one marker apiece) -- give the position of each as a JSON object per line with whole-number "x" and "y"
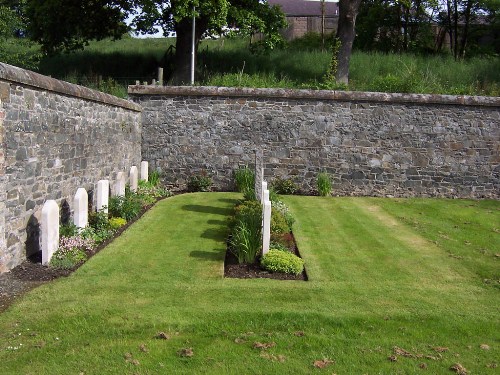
{"x": 50, "y": 210}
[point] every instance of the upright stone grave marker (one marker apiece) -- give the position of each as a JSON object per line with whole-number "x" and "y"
{"x": 81, "y": 208}
{"x": 259, "y": 173}
{"x": 120, "y": 184}
{"x": 133, "y": 178}
{"x": 266, "y": 226}
{"x": 144, "y": 170}
{"x": 264, "y": 188}
{"x": 50, "y": 230}
{"x": 102, "y": 195}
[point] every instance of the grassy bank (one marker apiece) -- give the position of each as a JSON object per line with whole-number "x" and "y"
{"x": 111, "y": 66}
{"x": 377, "y": 282}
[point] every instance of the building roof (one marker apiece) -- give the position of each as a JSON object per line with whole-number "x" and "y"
{"x": 306, "y": 7}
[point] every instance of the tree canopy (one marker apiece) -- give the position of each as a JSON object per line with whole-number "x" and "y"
{"x": 63, "y": 25}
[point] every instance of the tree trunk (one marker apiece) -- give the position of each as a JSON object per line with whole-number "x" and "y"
{"x": 455, "y": 28}
{"x": 348, "y": 10}
{"x": 465, "y": 33}
{"x": 183, "y": 29}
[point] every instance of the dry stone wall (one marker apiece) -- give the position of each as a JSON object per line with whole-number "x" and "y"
{"x": 373, "y": 144}
{"x": 57, "y": 137}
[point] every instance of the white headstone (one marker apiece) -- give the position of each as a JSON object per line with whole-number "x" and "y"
{"x": 266, "y": 227}
{"x": 120, "y": 184}
{"x": 144, "y": 170}
{"x": 50, "y": 230}
{"x": 266, "y": 195}
{"x": 102, "y": 195}
{"x": 133, "y": 178}
{"x": 81, "y": 208}
{"x": 264, "y": 188}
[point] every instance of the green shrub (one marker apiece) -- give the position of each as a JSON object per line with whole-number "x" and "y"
{"x": 200, "y": 182}
{"x": 117, "y": 222}
{"x": 278, "y": 222}
{"x": 127, "y": 207}
{"x": 249, "y": 211}
{"x": 244, "y": 179}
{"x": 283, "y": 209}
{"x": 99, "y": 220}
{"x": 324, "y": 184}
{"x": 282, "y": 261}
{"x": 68, "y": 230}
{"x": 284, "y": 186}
{"x": 273, "y": 196}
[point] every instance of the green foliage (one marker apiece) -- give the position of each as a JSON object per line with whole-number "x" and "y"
{"x": 246, "y": 233}
{"x": 199, "y": 182}
{"x": 71, "y": 251}
{"x": 127, "y": 207}
{"x": 282, "y": 208}
{"x": 284, "y": 186}
{"x": 249, "y": 195}
{"x": 278, "y": 222}
{"x": 330, "y": 79}
{"x": 15, "y": 50}
{"x": 324, "y": 184}
{"x": 273, "y": 195}
{"x": 99, "y": 220}
{"x": 117, "y": 222}
{"x": 68, "y": 230}
{"x": 282, "y": 261}
{"x": 97, "y": 236}
{"x": 154, "y": 178}
{"x": 244, "y": 179}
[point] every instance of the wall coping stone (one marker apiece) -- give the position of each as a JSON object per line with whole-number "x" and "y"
{"x": 15, "y": 74}
{"x": 358, "y": 96}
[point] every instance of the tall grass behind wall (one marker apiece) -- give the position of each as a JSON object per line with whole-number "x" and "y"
{"x": 112, "y": 65}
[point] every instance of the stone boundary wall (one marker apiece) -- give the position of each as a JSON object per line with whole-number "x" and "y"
{"x": 372, "y": 143}
{"x": 2, "y": 177}
{"x": 57, "y": 137}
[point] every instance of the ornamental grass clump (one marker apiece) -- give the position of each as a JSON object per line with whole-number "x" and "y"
{"x": 324, "y": 184}
{"x": 277, "y": 260}
{"x": 246, "y": 234}
{"x": 244, "y": 179}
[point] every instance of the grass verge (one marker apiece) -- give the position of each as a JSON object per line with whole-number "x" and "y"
{"x": 376, "y": 283}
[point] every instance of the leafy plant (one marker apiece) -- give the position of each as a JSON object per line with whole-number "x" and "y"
{"x": 324, "y": 184}
{"x": 278, "y": 222}
{"x": 246, "y": 242}
{"x": 154, "y": 178}
{"x": 68, "y": 230}
{"x": 244, "y": 179}
{"x": 283, "y": 209}
{"x": 99, "y": 220}
{"x": 117, "y": 222}
{"x": 282, "y": 261}
{"x": 127, "y": 207}
{"x": 284, "y": 186}
{"x": 201, "y": 182}
{"x": 71, "y": 251}
{"x": 246, "y": 239}
{"x": 282, "y": 240}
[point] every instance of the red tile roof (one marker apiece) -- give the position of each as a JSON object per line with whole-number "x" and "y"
{"x": 305, "y": 7}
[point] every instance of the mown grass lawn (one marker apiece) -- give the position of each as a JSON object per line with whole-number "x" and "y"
{"x": 383, "y": 274}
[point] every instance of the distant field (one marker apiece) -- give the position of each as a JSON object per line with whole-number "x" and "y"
{"x": 228, "y": 62}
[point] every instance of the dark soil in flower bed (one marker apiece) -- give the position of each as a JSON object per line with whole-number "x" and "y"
{"x": 233, "y": 269}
